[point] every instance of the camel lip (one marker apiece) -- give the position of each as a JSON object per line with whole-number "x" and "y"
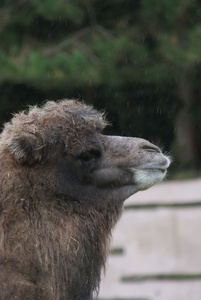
{"x": 159, "y": 167}
{"x": 161, "y": 170}
{"x": 152, "y": 169}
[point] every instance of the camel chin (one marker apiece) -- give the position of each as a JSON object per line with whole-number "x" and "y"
{"x": 146, "y": 177}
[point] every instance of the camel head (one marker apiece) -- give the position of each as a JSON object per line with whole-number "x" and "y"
{"x": 62, "y": 145}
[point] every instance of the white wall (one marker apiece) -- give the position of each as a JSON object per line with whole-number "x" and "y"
{"x": 158, "y": 240}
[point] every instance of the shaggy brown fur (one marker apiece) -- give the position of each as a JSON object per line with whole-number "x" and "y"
{"x": 59, "y": 201}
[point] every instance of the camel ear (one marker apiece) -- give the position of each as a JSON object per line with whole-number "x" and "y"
{"x": 25, "y": 149}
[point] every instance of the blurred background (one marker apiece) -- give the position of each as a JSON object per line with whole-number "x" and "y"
{"x": 140, "y": 61}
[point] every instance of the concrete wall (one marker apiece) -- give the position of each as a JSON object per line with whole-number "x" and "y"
{"x": 156, "y": 248}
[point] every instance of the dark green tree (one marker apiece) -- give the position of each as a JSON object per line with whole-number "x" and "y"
{"x": 138, "y": 59}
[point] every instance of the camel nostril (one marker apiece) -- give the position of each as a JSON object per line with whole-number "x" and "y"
{"x": 151, "y": 148}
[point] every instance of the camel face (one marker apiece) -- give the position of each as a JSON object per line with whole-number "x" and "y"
{"x": 116, "y": 166}
{"x": 131, "y": 162}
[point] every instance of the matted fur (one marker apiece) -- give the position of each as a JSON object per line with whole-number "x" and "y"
{"x": 62, "y": 189}
{"x": 50, "y": 248}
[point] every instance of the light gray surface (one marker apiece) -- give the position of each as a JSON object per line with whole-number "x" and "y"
{"x": 157, "y": 241}
{"x": 169, "y": 191}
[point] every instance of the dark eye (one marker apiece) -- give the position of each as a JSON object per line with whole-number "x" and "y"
{"x": 92, "y": 154}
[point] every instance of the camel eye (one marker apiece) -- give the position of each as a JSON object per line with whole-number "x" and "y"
{"x": 90, "y": 155}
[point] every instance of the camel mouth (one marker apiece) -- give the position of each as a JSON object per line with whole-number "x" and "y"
{"x": 163, "y": 170}
{"x": 151, "y": 171}
{"x": 160, "y": 167}
{"x": 148, "y": 176}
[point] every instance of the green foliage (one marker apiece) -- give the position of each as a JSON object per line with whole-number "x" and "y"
{"x": 60, "y": 9}
{"x": 94, "y": 53}
{"x": 127, "y": 56}
{"x": 195, "y": 42}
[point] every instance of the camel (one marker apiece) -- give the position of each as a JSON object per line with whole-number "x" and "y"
{"x": 63, "y": 185}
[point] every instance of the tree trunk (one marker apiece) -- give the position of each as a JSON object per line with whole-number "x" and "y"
{"x": 185, "y": 125}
